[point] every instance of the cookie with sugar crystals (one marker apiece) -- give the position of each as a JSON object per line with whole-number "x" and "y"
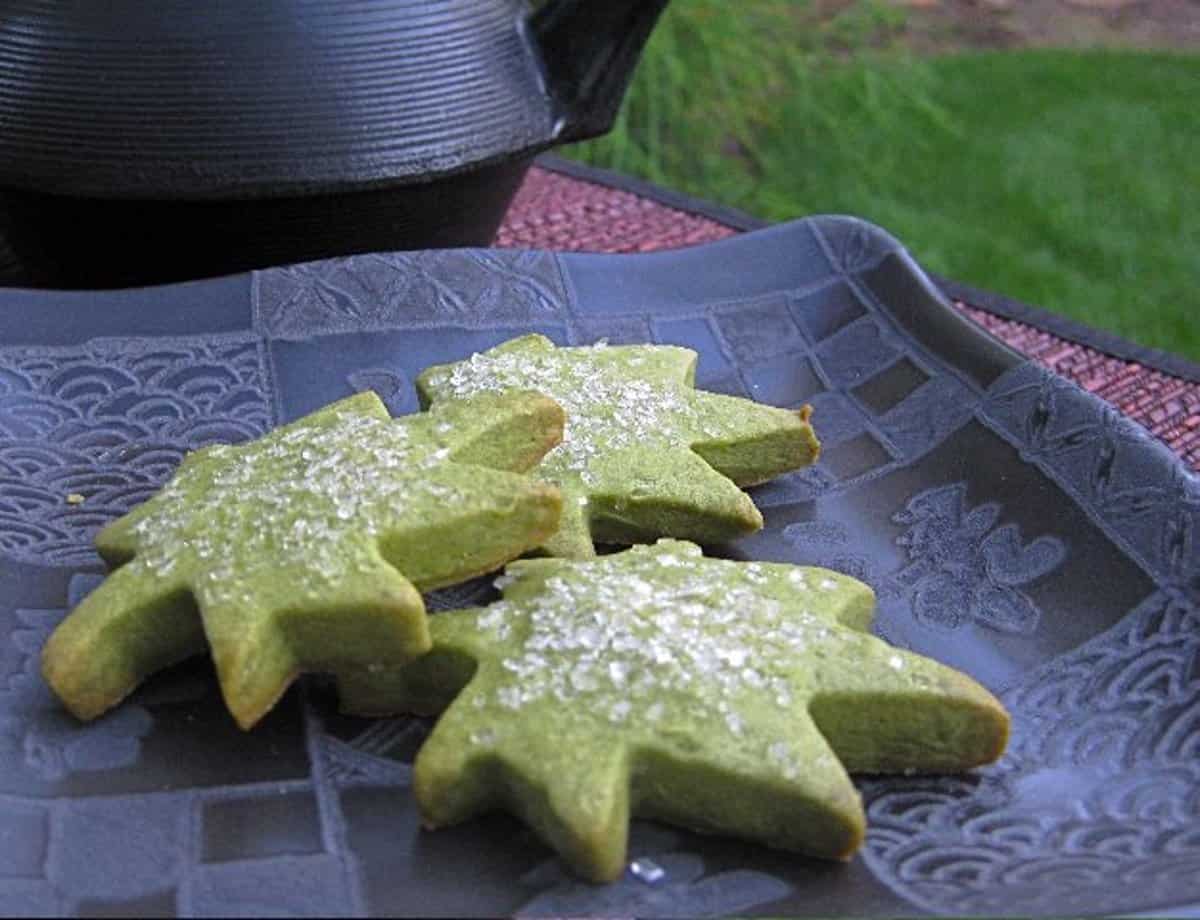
{"x": 722, "y": 696}
{"x": 306, "y": 549}
{"x": 645, "y": 454}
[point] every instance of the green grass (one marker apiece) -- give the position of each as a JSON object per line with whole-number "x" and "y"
{"x": 1065, "y": 179}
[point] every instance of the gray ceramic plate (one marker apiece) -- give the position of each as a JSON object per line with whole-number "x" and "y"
{"x": 1013, "y": 526}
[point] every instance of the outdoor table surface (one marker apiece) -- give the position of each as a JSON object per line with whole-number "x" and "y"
{"x": 226, "y": 843}
{"x": 565, "y": 206}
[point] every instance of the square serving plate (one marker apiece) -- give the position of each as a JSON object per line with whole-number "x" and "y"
{"x": 1013, "y": 526}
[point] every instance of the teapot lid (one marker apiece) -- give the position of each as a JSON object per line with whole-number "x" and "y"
{"x": 230, "y": 99}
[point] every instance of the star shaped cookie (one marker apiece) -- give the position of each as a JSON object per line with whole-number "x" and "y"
{"x": 306, "y": 550}
{"x": 644, "y": 454}
{"x": 722, "y": 696}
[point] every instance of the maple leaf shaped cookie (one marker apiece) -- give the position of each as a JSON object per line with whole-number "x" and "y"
{"x": 644, "y": 454}
{"x": 305, "y": 550}
{"x": 723, "y": 696}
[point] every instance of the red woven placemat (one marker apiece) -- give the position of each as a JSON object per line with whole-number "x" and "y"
{"x": 557, "y": 211}
{"x": 1168, "y": 406}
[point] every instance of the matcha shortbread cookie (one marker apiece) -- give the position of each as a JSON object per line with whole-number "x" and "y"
{"x": 722, "y": 696}
{"x": 305, "y": 550}
{"x": 644, "y": 454}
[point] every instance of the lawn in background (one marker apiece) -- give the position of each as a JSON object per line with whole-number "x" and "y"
{"x": 1069, "y": 180}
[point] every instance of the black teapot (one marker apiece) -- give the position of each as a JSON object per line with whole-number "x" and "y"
{"x": 144, "y": 141}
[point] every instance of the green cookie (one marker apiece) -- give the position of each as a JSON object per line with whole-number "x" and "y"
{"x": 644, "y": 454}
{"x": 285, "y": 554}
{"x": 722, "y": 696}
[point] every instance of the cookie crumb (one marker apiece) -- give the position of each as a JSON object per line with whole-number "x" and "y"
{"x": 74, "y": 498}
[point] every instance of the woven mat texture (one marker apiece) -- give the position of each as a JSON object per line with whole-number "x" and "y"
{"x": 555, "y": 211}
